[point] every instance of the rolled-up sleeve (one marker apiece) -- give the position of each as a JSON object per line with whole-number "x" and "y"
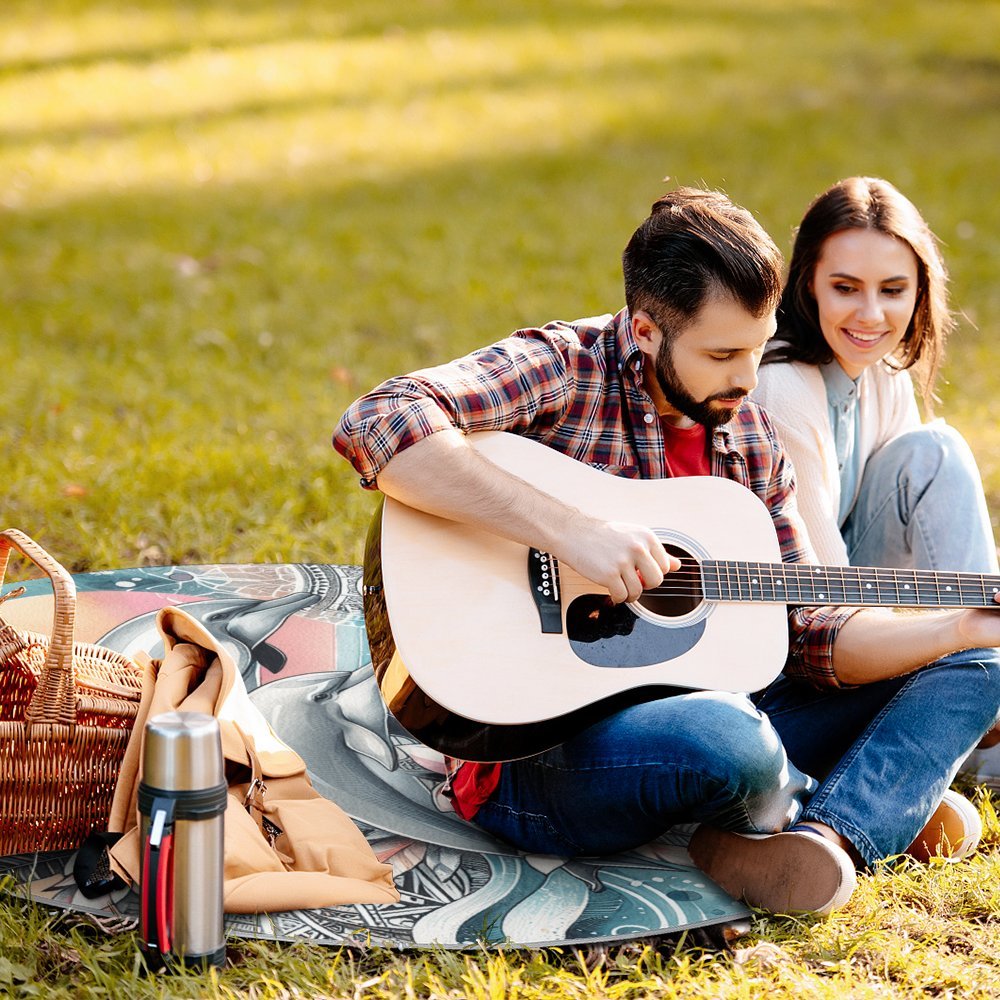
{"x": 811, "y": 631}
{"x": 515, "y": 384}
{"x": 382, "y": 423}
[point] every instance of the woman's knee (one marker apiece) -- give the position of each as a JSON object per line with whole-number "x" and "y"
{"x": 969, "y": 683}
{"x": 927, "y": 452}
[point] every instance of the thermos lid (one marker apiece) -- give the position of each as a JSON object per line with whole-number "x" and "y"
{"x": 182, "y": 752}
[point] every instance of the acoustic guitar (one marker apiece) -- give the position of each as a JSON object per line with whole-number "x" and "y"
{"x": 488, "y": 650}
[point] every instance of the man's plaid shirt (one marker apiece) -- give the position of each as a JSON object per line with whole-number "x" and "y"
{"x": 577, "y": 387}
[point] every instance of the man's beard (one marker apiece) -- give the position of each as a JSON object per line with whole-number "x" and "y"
{"x": 680, "y": 399}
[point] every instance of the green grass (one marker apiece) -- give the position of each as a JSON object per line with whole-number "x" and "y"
{"x": 910, "y": 932}
{"x": 221, "y": 221}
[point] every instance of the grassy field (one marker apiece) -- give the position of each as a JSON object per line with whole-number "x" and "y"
{"x": 221, "y": 221}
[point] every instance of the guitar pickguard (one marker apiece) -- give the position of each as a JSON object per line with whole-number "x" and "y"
{"x": 613, "y": 635}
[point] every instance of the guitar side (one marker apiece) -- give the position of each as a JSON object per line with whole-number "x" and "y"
{"x": 483, "y": 681}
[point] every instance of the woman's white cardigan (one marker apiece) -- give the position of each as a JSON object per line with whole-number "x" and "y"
{"x": 794, "y": 394}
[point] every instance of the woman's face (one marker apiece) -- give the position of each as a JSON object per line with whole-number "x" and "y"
{"x": 865, "y": 285}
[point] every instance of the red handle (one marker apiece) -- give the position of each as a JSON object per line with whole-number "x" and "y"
{"x": 165, "y": 894}
{"x": 156, "y": 891}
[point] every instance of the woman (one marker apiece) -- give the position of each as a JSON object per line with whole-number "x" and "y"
{"x": 864, "y": 305}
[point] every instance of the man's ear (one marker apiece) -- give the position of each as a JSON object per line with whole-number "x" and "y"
{"x": 646, "y": 333}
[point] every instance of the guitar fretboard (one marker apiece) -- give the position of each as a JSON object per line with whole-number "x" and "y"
{"x": 792, "y": 583}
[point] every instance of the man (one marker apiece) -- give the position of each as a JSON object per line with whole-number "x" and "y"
{"x": 851, "y": 750}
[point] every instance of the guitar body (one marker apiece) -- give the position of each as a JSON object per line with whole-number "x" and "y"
{"x": 473, "y": 660}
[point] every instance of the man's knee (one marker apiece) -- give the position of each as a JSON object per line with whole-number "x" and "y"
{"x": 763, "y": 791}
{"x": 737, "y": 738}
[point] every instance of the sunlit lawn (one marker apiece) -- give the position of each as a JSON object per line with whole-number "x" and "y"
{"x": 222, "y": 221}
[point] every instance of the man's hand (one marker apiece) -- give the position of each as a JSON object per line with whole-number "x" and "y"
{"x": 624, "y": 558}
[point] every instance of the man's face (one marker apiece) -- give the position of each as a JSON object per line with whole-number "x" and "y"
{"x": 703, "y": 374}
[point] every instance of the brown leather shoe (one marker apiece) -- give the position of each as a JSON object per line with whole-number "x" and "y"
{"x": 953, "y": 832}
{"x": 788, "y": 872}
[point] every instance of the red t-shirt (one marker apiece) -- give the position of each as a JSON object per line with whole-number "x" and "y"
{"x": 686, "y": 450}
{"x": 686, "y": 455}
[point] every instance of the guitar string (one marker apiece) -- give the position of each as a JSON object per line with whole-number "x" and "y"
{"x": 809, "y": 571}
{"x": 688, "y": 581}
{"x": 834, "y": 599}
{"x": 810, "y": 582}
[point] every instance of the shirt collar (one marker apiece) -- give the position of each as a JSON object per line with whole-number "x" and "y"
{"x": 840, "y": 387}
{"x": 722, "y": 440}
{"x": 630, "y": 357}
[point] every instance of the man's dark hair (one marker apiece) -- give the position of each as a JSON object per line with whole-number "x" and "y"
{"x": 694, "y": 244}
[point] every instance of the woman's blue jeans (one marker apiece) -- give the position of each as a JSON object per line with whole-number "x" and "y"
{"x": 872, "y": 762}
{"x": 920, "y": 505}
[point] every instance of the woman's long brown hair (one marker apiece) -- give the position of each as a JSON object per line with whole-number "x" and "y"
{"x": 866, "y": 203}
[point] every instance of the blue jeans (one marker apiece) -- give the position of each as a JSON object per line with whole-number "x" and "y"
{"x": 693, "y": 757}
{"x": 921, "y": 506}
{"x": 884, "y": 753}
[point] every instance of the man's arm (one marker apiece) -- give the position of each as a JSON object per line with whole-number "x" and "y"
{"x": 444, "y": 475}
{"x": 875, "y": 643}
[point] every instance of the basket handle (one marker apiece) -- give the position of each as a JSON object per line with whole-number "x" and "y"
{"x": 54, "y": 700}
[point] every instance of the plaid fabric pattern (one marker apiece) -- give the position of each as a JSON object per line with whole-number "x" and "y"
{"x": 577, "y": 387}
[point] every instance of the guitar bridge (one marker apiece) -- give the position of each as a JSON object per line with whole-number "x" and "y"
{"x": 543, "y": 578}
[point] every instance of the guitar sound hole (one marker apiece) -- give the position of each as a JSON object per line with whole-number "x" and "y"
{"x": 680, "y": 593}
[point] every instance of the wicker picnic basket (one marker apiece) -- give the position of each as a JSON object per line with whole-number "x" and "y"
{"x": 66, "y": 711}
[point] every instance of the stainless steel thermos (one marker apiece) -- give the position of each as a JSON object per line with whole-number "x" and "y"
{"x": 182, "y": 801}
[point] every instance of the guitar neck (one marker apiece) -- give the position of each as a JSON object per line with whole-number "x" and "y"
{"x": 801, "y": 583}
